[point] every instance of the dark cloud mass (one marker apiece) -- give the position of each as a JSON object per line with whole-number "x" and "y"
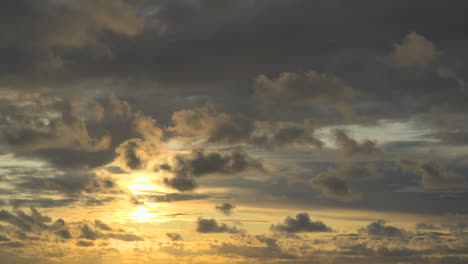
{"x": 187, "y": 168}
{"x": 212, "y": 226}
{"x": 301, "y": 223}
{"x": 185, "y": 131}
{"x": 225, "y": 208}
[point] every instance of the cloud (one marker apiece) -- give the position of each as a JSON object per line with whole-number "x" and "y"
{"x": 379, "y": 229}
{"x": 334, "y": 182}
{"x": 37, "y": 48}
{"x": 174, "y": 236}
{"x": 432, "y": 175}
{"x": 35, "y": 220}
{"x": 83, "y": 243}
{"x": 218, "y": 127}
{"x": 225, "y": 208}
{"x": 187, "y": 168}
{"x": 212, "y": 226}
{"x": 65, "y": 234}
{"x": 176, "y": 197}
{"x": 353, "y": 149}
{"x": 301, "y": 223}
{"x": 334, "y": 187}
{"x": 415, "y": 51}
{"x": 309, "y": 87}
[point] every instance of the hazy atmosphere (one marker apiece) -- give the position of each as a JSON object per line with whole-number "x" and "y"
{"x": 233, "y": 131}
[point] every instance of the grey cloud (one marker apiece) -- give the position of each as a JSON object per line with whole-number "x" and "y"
{"x": 101, "y": 225}
{"x": 301, "y": 223}
{"x": 65, "y": 234}
{"x": 125, "y": 237}
{"x": 334, "y": 187}
{"x": 459, "y": 137}
{"x": 70, "y": 182}
{"x": 199, "y": 163}
{"x": 83, "y": 243}
{"x": 425, "y": 226}
{"x": 26, "y": 222}
{"x": 212, "y": 226}
{"x": 334, "y": 182}
{"x": 176, "y": 197}
{"x": 353, "y": 148}
{"x": 225, "y": 208}
{"x": 207, "y": 122}
{"x": 303, "y": 87}
{"x": 90, "y": 234}
{"x": 174, "y": 236}
{"x": 379, "y": 229}
{"x": 415, "y": 51}
{"x": 36, "y": 48}
{"x": 432, "y": 175}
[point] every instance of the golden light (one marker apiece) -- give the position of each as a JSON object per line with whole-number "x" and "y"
{"x": 141, "y": 185}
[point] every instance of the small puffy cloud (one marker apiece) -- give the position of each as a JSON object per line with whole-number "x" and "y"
{"x": 308, "y": 87}
{"x": 432, "y": 175}
{"x": 379, "y": 229}
{"x": 65, "y": 234}
{"x": 187, "y": 168}
{"x": 212, "y": 226}
{"x": 174, "y": 236}
{"x": 225, "y": 208}
{"x": 415, "y": 51}
{"x": 300, "y": 224}
{"x": 354, "y": 149}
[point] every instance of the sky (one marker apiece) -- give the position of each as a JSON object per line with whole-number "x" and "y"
{"x": 233, "y": 131}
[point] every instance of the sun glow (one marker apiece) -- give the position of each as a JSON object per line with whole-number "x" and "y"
{"x": 141, "y": 185}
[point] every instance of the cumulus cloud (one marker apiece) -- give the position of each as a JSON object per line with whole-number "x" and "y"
{"x": 225, "y": 208}
{"x": 380, "y": 229}
{"x": 353, "y": 149}
{"x": 415, "y": 51}
{"x": 212, "y": 226}
{"x": 187, "y": 168}
{"x": 300, "y": 224}
{"x": 432, "y": 175}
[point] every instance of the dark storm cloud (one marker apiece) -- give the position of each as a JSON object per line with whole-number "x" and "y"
{"x": 301, "y": 223}
{"x": 212, "y": 226}
{"x": 187, "y": 168}
{"x": 433, "y": 175}
{"x": 225, "y": 208}
{"x": 33, "y": 33}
